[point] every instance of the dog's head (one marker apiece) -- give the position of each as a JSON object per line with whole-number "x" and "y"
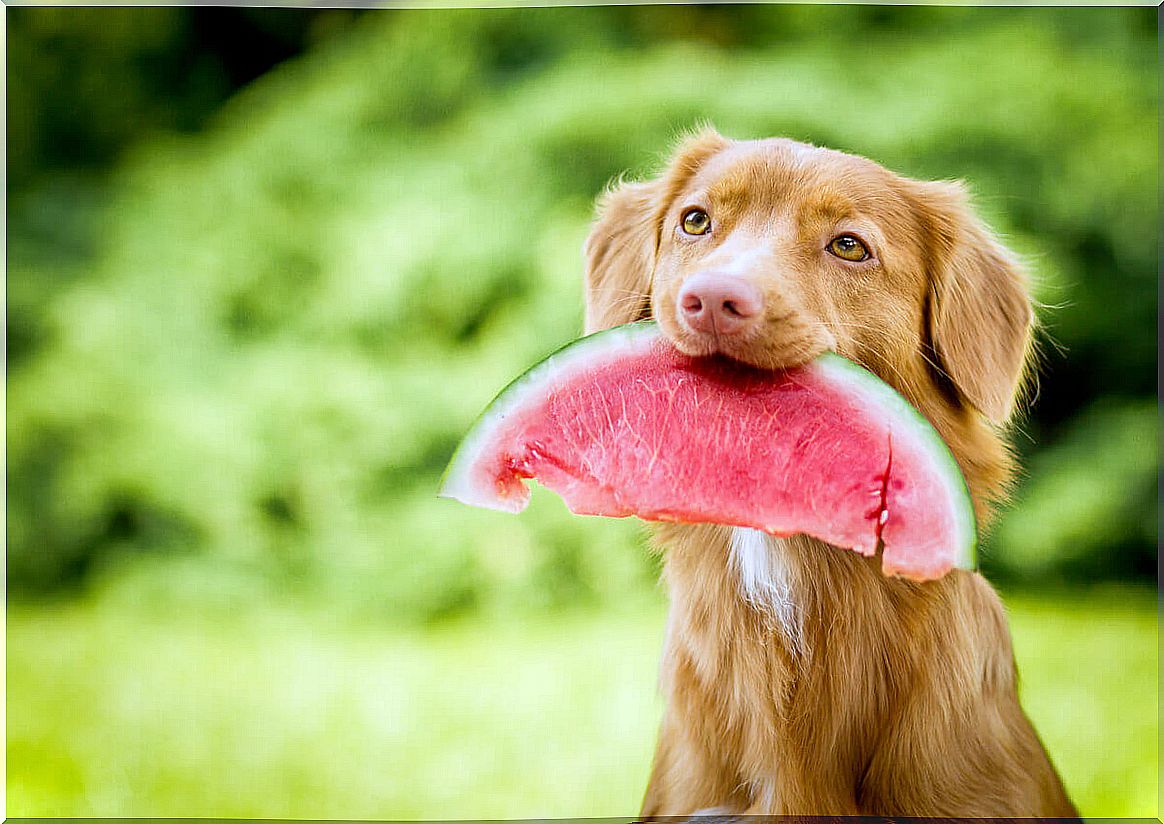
{"x": 773, "y": 251}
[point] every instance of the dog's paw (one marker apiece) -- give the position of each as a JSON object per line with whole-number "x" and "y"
{"x": 713, "y": 815}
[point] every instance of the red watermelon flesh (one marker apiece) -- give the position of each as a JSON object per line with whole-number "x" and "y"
{"x": 620, "y": 423}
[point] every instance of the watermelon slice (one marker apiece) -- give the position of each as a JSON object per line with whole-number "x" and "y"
{"x": 621, "y": 423}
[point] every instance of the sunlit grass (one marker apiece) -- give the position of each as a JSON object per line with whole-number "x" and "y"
{"x": 1089, "y": 674}
{"x": 273, "y": 712}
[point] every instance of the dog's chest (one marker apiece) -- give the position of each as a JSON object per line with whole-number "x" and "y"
{"x": 767, "y": 580}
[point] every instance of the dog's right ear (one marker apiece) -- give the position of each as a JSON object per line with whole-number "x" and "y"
{"x": 620, "y": 255}
{"x": 623, "y": 244}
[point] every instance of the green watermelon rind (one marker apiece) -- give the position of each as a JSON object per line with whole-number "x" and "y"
{"x": 579, "y": 353}
{"x": 616, "y": 341}
{"x": 923, "y": 431}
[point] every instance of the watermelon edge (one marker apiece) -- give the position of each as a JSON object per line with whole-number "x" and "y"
{"x": 456, "y": 481}
{"x": 895, "y": 404}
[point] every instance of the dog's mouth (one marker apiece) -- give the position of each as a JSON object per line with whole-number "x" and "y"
{"x": 760, "y": 348}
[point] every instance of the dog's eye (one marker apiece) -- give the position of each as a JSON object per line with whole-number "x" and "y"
{"x": 847, "y": 247}
{"x": 696, "y": 222}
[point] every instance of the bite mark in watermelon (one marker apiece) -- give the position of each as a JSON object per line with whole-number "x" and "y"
{"x": 621, "y": 423}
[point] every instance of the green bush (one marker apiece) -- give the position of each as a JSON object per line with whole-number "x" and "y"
{"x": 286, "y": 322}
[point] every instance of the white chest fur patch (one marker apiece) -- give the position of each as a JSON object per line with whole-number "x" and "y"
{"x": 766, "y": 581}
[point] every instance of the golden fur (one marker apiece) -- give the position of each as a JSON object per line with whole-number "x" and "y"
{"x": 894, "y": 697}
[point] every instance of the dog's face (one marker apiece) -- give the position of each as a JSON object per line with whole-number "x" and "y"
{"x": 772, "y": 251}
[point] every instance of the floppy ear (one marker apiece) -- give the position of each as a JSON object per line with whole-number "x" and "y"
{"x": 979, "y": 318}
{"x": 623, "y": 245}
{"x": 620, "y": 256}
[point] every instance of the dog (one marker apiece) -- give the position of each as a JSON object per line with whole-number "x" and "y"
{"x": 798, "y": 679}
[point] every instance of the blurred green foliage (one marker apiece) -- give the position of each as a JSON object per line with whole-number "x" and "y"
{"x": 85, "y": 83}
{"x": 251, "y": 346}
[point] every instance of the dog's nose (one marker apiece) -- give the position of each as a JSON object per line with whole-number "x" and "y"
{"x": 719, "y": 303}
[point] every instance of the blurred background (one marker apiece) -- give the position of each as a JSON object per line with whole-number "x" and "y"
{"x": 265, "y": 267}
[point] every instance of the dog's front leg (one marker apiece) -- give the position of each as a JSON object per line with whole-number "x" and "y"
{"x": 985, "y": 761}
{"x": 687, "y": 778}
{"x": 960, "y": 744}
{"x": 810, "y": 799}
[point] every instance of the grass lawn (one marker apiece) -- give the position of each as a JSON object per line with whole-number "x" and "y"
{"x": 268, "y": 712}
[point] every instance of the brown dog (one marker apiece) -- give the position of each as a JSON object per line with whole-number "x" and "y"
{"x": 798, "y": 678}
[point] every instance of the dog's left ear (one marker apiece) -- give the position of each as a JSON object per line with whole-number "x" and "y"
{"x": 979, "y": 317}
